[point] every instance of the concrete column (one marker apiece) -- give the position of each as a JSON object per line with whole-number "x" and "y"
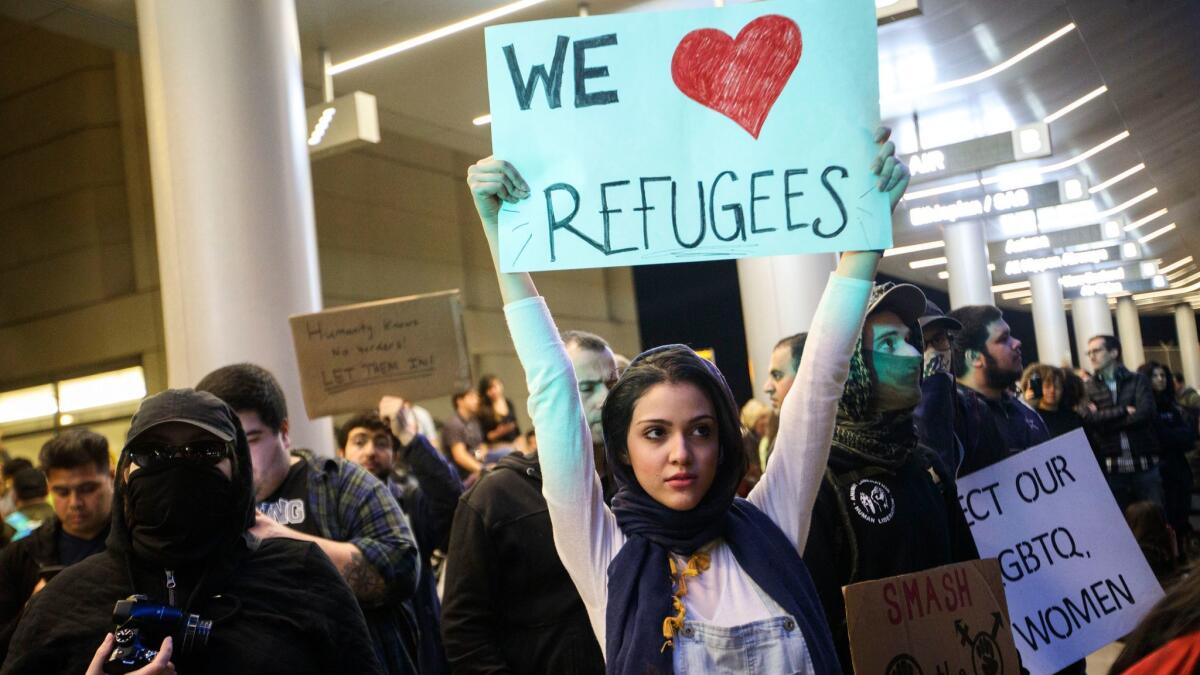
{"x": 779, "y": 297}
{"x": 1189, "y": 346}
{"x": 1050, "y": 319}
{"x": 1129, "y": 331}
{"x": 967, "y": 262}
{"x": 1092, "y": 318}
{"x": 232, "y": 192}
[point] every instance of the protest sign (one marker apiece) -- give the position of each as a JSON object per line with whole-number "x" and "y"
{"x": 658, "y": 137}
{"x": 1074, "y": 576}
{"x": 950, "y": 619}
{"x": 351, "y": 356}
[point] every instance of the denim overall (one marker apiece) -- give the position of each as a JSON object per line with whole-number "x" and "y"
{"x": 773, "y": 646}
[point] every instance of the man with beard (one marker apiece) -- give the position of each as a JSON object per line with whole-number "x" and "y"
{"x": 886, "y": 506}
{"x": 989, "y": 421}
{"x": 183, "y": 504}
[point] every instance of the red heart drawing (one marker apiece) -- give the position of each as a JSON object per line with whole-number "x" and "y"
{"x": 740, "y": 78}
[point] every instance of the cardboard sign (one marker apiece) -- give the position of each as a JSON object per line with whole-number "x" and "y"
{"x": 351, "y": 356}
{"x": 660, "y": 137}
{"x": 950, "y": 619}
{"x": 1074, "y": 576}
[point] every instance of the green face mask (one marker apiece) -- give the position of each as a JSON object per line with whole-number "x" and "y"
{"x": 896, "y": 381}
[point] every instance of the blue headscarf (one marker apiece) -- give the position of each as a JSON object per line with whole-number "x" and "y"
{"x": 639, "y": 581}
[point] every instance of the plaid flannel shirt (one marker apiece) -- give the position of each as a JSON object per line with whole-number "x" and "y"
{"x": 349, "y": 504}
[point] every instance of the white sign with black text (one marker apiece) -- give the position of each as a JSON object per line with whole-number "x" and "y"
{"x": 1074, "y": 576}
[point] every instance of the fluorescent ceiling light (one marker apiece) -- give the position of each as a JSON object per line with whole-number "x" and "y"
{"x": 1075, "y": 104}
{"x": 927, "y": 262}
{"x": 432, "y": 35}
{"x": 1116, "y": 179}
{"x": 104, "y": 389}
{"x": 1066, "y": 163}
{"x": 1175, "y": 265}
{"x": 482, "y": 120}
{"x": 1142, "y": 221}
{"x": 1121, "y": 207}
{"x": 931, "y": 192}
{"x": 1157, "y": 233}
{"x": 913, "y": 248}
{"x": 998, "y": 68}
{"x": 1013, "y": 295}
{"x": 1014, "y": 286}
{"x": 28, "y": 404}
{"x": 943, "y": 274}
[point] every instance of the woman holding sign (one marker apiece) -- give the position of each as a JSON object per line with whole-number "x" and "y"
{"x": 679, "y": 575}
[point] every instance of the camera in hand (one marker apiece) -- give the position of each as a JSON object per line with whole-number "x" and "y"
{"x": 141, "y": 626}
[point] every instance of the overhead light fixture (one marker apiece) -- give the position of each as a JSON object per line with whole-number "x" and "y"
{"x": 1136, "y": 200}
{"x": 1142, "y": 221}
{"x": 1116, "y": 179}
{"x": 1013, "y": 295}
{"x": 28, "y": 404}
{"x": 482, "y": 120}
{"x": 104, "y": 389}
{"x": 432, "y": 35}
{"x": 998, "y": 68}
{"x": 932, "y": 192}
{"x": 1061, "y": 112}
{"x": 1175, "y": 265}
{"x": 1014, "y": 286}
{"x": 1156, "y": 234}
{"x": 913, "y": 248}
{"x": 927, "y": 262}
{"x": 943, "y": 275}
{"x": 1065, "y": 164}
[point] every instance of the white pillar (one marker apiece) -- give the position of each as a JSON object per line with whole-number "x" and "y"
{"x": 1092, "y": 318}
{"x": 232, "y": 192}
{"x": 1129, "y": 331}
{"x": 1189, "y": 346}
{"x": 779, "y": 297}
{"x": 967, "y": 263}
{"x": 1050, "y": 319}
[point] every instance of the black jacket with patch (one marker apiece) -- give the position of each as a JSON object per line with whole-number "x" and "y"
{"x": 875, "y": 520}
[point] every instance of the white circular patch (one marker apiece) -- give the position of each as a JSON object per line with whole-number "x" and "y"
{"x": 872, "y": 501}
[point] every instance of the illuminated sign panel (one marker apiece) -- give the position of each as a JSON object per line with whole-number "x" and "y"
{"x": 1046, "y": 242}
{"x": 1029, "y": 265}
{"x": 1027, "y": 142}
{"x": 994, "y": 203}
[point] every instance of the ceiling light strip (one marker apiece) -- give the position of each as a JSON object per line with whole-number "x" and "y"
{"x": 913, "y": 248}
{"x": 1116, "y": 179}
{"x": 1175, "y": 265}
{"x": 932, "y": 192}
{"x": 425, "y": 38}
{"x": 1014, "y": 286}
{"x": 1156, "y": 234}
{"x": 927, "y": 262}
{"x": 1121, "y": 207}
{"x": 1062, "y": 112}
{"x": 1063, "y": 164}
{"x": 1142, "y": 221}
{"x": 998, "y": 68}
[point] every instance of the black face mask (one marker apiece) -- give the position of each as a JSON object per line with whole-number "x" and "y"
{"x": 178, "y": 511}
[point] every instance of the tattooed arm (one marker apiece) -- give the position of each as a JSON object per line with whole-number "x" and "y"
{"x": 362, "y": 578}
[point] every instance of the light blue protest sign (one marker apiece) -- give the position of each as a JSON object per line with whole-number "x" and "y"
{"x": 705, "y": 134}
{"x": 1074, "y": 576}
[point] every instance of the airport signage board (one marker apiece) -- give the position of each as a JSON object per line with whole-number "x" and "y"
{"x": 1025, "y": 142}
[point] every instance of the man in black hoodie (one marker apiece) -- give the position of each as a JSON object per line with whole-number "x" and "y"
{"x": 887, "y": 506}
{"x": 510, "y": 606}
{"x": 182, "y": 508}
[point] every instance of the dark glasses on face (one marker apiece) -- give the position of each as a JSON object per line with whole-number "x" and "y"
{"x": 147, "y": 455}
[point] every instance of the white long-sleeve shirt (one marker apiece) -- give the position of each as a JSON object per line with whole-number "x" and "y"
{"x": 585, "y": 530}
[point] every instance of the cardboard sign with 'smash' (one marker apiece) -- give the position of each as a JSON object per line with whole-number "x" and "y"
{"x": 950, "y": 619}
{"x": 350, "y": 356}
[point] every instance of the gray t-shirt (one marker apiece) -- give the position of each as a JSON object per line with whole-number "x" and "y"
{"x": 458, "y": 430}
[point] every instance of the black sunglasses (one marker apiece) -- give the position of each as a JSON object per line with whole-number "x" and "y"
{"x": 150, "y": 454}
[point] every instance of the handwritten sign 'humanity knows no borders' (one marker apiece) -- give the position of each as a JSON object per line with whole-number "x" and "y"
{"x": 674, "y": 136}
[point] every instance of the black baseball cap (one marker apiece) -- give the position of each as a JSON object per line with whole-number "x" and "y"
{"x": 933, "y": 315}
{"x": 197, "y": 408}
{"x": 906, "y": 300}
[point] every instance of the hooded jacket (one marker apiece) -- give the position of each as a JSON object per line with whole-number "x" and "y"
{"x": 887, "y": 505}
{"x": 277, "y": 606}
{"x": 510, "y": 606}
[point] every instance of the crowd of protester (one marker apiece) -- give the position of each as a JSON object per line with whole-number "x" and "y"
{"x": 650, "y": 525}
